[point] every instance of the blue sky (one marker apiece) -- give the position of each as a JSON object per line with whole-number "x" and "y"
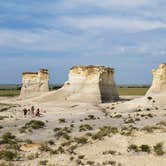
{"x": 128, "y": 35}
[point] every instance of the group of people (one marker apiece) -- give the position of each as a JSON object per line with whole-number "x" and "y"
{"x": 32, "y": 112}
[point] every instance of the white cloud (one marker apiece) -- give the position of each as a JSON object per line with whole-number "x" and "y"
{"x": 112, "y": 23}
{"x": 43, "y": 40}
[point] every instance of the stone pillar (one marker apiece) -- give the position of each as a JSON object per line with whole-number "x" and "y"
{"x": 159, "y": 80}
{"x": 91, "y": 84}
{"x": 34, "y": 83}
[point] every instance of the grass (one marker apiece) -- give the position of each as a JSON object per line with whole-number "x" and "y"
{"x": 9, "y": 93}
{"x": 123, "y": 91}
{"x": 132, "y": 91}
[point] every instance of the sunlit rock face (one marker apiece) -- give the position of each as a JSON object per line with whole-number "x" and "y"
{"x": 34, "y": 83}
{"x": 159, "y": 80}
{"x": 91, "y": 84}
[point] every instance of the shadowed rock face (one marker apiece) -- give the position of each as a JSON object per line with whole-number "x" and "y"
{"x": 33, "y": 83}
{"x": 159, "y": 80}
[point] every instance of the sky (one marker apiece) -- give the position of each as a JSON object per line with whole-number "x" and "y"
{"x": 128, "y": 35}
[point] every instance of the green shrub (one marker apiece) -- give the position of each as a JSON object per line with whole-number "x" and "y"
{"x": 90, "y": 117}
{"x": 43, "y": 162}
{"x": 8, "y": 136}
{"x": 81, "y": 140}
{"x": 44, "y": 147}
{"x": 7, "y": 155}
{"x": 32, "y": 156}
{"x": 145, "y": 148}
{"x": 85, "y": 127}
{"x": 104, "y": 131}
{"x": 158, "y": 149}
{"x": 35, "y": 124}
{"x": 133, "y": 147}
{"x": 62, "y": 120}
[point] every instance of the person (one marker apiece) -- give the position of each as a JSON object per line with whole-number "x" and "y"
{"x": 25, "y": 112}
{"x": 37, "y": 112}
{"x": 32, "y": 110}
{"x": 29, "y": 112}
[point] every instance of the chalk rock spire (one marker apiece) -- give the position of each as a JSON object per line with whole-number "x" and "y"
{"x": 159, "y": 80}
{"x": 34, "y": 83}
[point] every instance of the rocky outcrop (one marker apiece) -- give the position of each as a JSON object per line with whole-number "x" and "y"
{"x": 92, "y": 84}
{"x": 159, "y": 80}
{"x": 34, "y": 83}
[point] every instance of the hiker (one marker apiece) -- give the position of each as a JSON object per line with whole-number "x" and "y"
{"x": 25, "y": 112}
{"x": 29, "y": 112}
{"x": 37, "y": 112}
{"x": 32, "y": 110}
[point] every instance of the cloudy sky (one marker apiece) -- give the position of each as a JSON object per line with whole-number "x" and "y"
{"x": 128, "y": 35}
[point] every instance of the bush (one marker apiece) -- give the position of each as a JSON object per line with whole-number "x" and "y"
{"x": 133, "y": 147}
{"x": 149, "y": 98}
{"x": 145, "y": 148}
{"x": 35, "y": 124}
{"x": 44, "y": 147}
{"x": 62, "y": 120}
{"x": 32, "y": 156}
{"x": 81, "y": 140}
{"x": 104, "y": 131}
{"x": 43, "y": 162}
{"x": 90, "y": 117}
{"x": 85, "y": 127}
{"x": 8, "y": 136}
{"x": 7, "y": 155}
{"x": 158, "y": 149}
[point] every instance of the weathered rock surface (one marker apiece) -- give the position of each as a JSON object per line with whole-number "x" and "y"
{"x": 34, "y": 83}
{"x": 159, "y": 80}
{"x": 93, "y": 84}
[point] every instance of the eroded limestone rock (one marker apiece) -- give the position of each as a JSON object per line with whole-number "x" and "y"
{"x": 159, "y": 80}
{"x": 92, "y": 84}
{"x": 33, "y": 83}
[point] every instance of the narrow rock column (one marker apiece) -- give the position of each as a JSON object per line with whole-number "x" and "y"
{"x": 34, "y": 83}
{"x": 159, "y": 80}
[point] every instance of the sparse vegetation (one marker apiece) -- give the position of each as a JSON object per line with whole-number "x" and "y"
{"x": 85, "y": 127}
{"x": 145, "y": 148}
{"x": 62, "y": 120}
{"x": 90, "y": 117}
{"x": 105, "y": 131}
{"x": 142, "y": 148}
{"x": 81, "y": 140}
{"x": 33, "y": 124}
{"x": 158, "y": 149}
{"x": 8, "y": 155}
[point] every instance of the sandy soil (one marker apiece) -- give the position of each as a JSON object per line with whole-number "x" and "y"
{"x": 137, "y": 121}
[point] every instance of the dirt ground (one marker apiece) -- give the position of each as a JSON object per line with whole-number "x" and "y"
{"x": 85, "y": 134}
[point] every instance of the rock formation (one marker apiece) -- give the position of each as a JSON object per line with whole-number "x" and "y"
{"x": 159, "y": 80}
{"x": 94, "y": 84}
{"x": 34, "y": 83}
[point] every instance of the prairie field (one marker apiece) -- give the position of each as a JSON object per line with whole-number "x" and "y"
{"x": 11, "y": 91}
